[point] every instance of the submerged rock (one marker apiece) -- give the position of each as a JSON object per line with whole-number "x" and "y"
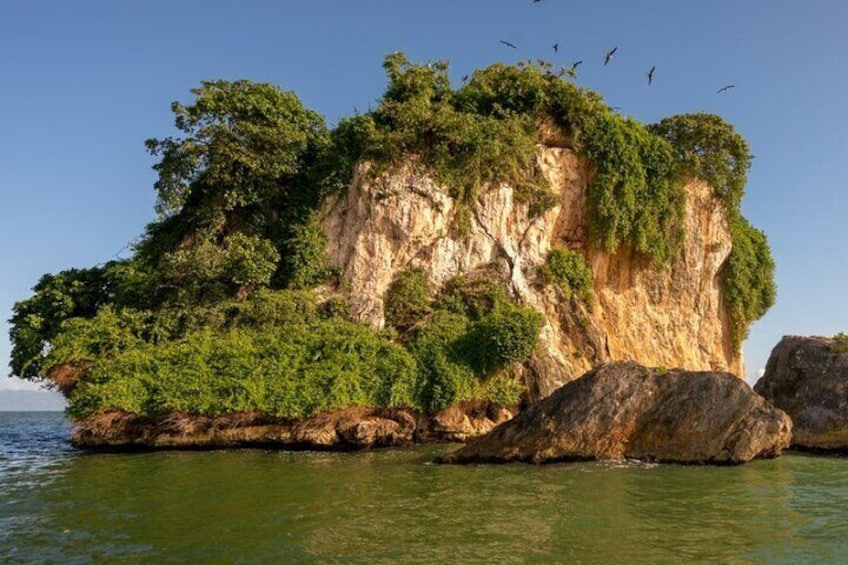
{"x": 624, "y": 410}
{"x": 807, "y": 377}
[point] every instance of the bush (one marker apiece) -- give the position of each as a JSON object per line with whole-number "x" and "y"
{"x": 472, "y": 297}
{"x": 445, "y": 374}
{"x": 747, "y": 278}
{"x": 467, "y": 342}
{"x": 841, "y": 342}
{"x": 406, "y": 300}
{"x": 297, "y": 372}
{"x": 306, "y": 254}
{"x": 506, "y": 335}
{"x": 568, "y": 270}
{"x": 504, "y": 390}
{"x": 707, "y": 147}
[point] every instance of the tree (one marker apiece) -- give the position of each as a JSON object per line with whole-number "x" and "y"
{"x": 242, "y": 141}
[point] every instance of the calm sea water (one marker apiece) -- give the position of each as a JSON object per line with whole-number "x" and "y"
{"x": 61, "y": 505}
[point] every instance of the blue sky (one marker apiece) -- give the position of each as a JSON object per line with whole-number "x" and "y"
{"x": 83, "y": 84}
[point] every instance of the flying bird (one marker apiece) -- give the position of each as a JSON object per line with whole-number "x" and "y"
{"x": 728, "y": 87}
{"x": 608, "y": 56}
{"x": 651, "y": 75}
{"x": 575, "y": 64}
{"x": 556, "y": 47}
{"x": 508, "y": 44}
{"x": 464, "y": 78}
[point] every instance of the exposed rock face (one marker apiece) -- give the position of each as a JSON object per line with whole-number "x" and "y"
{"x": 623, "y": 410}
{"x": 352, "y": 428}
{"x": 807, "y": 377}
{"x": 381, "y": 226}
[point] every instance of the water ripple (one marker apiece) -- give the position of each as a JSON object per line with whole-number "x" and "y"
{"x": 395, "y": 506}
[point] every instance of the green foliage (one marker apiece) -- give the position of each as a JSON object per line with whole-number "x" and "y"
{"x": 840, "y": 342}
{"x": 407, "y": 300}
{"x": 421, "y": 117}
{"x": 748, "y": 277}
{"x": 468, "y": 341}
{"x": 305, "y": 263}
{"x": 503, "y": 390}
{"x": 35, "y": 322}
{"x": 306, "y": 369}
{"x": 206, "y": 271}
{"x": 569, "y": 271}
{"x": 241, "y": 139}
{"x": 237, "y": 195}
{"x": 472, "y": 297}
{"x": 335, "y": 307}
{"x": 709, "y": 148}
{"x": 446, "y": 375}
{"x": 507, "y": 334}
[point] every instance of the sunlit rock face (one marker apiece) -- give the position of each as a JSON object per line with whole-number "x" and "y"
{"x": 674, "y": 317}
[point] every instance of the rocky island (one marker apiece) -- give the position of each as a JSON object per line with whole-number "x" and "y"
{"x": 418, "y": 272}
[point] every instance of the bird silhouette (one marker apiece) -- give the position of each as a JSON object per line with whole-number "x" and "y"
{"x": 575, "y": 64}
{"x": 608, "y": 56}
{"x": 651, "y": 75}
{"x": 464, "y": 78}
{"x": 728, "y": 87}
{"x": 508, "y": 44}
{"x": 556, "y": 47}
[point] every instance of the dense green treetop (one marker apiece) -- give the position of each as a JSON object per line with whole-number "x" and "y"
{"x": 238, "y": 241}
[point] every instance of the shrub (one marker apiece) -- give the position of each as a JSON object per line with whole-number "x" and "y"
{"x": 335, "y": 307}
{"x": 841, "y": 342}
{"x": 506, "y": 335}
{"x": 298, "y": 372}
{"x": 473, "y": 333}
{"x": 473, "y": 297}
{"x": 747, "y": 278}
{"x": 406, "y": 300}
{"x": 445, "y": 374}
{"x": 504, "y": 390}
{"x": 707, "y": 147}
{"x": 568, "y": 270}
{"x": 306, "y": 254}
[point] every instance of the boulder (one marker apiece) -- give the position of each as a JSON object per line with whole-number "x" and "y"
{"x": 807, "y": 377}
{"x": 624, "y": 410}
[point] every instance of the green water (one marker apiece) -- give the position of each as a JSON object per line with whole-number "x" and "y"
{"x": 394, "y": 506}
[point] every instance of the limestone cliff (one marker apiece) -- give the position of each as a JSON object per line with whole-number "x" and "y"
{"x": 674, "y": 317}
